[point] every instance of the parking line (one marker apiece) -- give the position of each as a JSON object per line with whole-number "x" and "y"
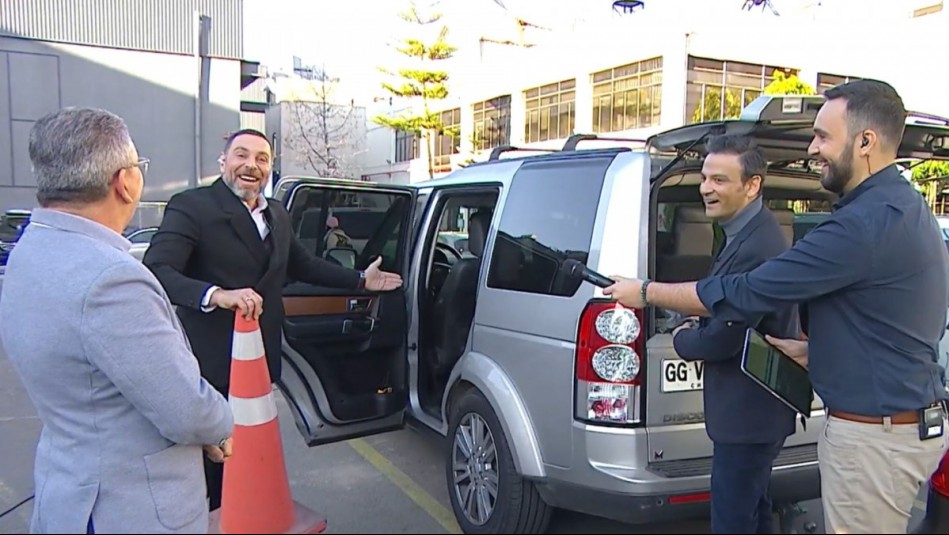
{"x": 410, "y": 488}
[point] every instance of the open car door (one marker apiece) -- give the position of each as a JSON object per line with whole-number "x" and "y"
{"x": 344, "y": 351}
{"x": 782, "y": 125}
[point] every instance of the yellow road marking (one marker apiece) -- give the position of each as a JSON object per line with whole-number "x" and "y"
{"x": 410, "y": 488}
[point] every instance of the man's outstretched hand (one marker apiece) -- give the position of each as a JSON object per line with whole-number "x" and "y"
{"x": 381, "y": 281}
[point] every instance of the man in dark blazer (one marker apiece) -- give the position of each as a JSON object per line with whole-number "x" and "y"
{"x": 225, "y": 248}
{"x": 747, "y": 425}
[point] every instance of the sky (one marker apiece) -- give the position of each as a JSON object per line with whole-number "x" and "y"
{"x": 353, "y": 37}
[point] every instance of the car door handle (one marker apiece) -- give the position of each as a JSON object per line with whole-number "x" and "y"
{"x": 359, "y": 326}
{"x": 358, "y": 304}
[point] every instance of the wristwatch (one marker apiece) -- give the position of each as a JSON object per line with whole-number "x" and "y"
{"x": 223, "y": 442}
{"x": 362, "y": 281}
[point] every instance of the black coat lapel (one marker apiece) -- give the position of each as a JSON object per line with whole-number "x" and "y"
{"x": 731, "y": 248}
{"x": 241, "y": 220}
{"x": 277, "y": 236}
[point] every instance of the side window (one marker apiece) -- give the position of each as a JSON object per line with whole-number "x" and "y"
{"x": 350, "y": 228}
{"x": 548, "y": 218}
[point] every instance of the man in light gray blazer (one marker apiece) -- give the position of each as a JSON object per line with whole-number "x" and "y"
{"x": 98, "y": 346}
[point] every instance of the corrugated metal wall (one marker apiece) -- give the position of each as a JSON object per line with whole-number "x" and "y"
{"x": 154, "y": 25}
{"x": 250, "y": 119}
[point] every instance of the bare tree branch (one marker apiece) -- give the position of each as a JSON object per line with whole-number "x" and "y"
{"x": 324, "y": 135}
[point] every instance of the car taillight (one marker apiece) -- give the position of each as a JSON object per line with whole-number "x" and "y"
{"x": 939, "y": 482}
{"x": 610, "y": 359}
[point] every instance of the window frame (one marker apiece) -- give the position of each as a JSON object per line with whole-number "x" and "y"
{"x": 561, "y": 99}
{"x": 616, "y": 85}
{"x": 492, "y": 116}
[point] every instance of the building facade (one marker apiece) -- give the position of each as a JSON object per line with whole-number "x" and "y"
{"x": 172, "y": 69}
{"x": 632, "y": 78}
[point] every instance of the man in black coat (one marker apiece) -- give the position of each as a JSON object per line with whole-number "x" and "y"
{"x": 747, "y": 425}
{"x": 226, "y": 248}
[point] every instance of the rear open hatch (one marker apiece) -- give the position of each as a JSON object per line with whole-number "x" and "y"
{"x": 782, "y": 127}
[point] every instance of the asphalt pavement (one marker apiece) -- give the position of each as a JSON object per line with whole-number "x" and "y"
{"x": 387, "y": 483}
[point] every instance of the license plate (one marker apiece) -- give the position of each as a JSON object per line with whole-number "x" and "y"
{"x": 681, "y": 376}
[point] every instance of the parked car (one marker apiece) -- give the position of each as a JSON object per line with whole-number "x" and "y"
{"x": 141, "y": 239}
{"x": 12, "y": 225}
{"x": 549, "y": 395}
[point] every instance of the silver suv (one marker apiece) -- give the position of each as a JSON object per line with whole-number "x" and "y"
{"x": 545, "y": 398}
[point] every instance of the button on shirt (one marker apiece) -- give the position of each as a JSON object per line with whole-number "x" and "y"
{"x": 874, "y": 277}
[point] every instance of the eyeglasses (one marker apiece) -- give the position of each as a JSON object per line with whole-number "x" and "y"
{"x": 143, "y": 165}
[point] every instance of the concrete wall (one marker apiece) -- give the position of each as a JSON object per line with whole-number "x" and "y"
{"x": 155, "y": 93}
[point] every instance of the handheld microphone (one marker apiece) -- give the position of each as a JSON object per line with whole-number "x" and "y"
{"x": 577, "y": 270}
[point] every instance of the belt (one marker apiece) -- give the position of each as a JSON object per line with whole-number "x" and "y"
{"x": 907, "y": 417}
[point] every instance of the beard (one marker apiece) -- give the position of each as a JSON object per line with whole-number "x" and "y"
{"x": 245, "y": 191}
{"x": 837, "y": 174}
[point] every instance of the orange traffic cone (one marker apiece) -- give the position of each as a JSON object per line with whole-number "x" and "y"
{"x": 256, "y": 493}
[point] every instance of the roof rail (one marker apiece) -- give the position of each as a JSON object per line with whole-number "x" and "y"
{"x": 496, "y": 152}
{"x": 576, "y": 139}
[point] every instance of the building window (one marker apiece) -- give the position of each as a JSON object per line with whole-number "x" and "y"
{"x": 627, "y": 97}
{"x": 406, "y": 146}
{"x": 446, "y": 141}
{"x": 492, "y": 123}
{"x": 720, "y": 89}
{"x": 826, "y": 81}
{"x": 550, "y": 111}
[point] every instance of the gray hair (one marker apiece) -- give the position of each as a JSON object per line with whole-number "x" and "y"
{"x": 75, "y": 153}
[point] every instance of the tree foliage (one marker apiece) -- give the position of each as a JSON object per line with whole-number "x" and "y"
{"x": 421, "y": 80}
{"x": 711, "y": 108}
{"x": 788, "y": 85}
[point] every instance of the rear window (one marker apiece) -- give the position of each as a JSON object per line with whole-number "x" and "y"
{"x": 548, "y": 218}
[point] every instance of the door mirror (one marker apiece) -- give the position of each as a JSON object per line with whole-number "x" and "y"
{"x": 341, "y": 256}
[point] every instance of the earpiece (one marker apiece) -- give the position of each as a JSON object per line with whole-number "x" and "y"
{"x": 865, "y": 142}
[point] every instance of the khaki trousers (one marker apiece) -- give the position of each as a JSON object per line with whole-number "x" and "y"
{"x": 871, "y": 474}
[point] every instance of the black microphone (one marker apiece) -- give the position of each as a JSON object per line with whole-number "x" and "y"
{"x": 577, "y": 270}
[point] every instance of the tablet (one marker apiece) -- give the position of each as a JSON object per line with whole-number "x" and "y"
{"x": 777, "y": 373}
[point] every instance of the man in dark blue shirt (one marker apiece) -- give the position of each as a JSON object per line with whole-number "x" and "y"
{"x": 873, "y": 277}
{"x": 747, "y": 425}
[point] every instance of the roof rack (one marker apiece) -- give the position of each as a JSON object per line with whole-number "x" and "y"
{"x": 576, "y": 139}
{"x": 496, "y": 152}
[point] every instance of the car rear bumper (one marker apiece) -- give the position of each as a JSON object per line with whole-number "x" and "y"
{"x": 609, "y": 478}
{"x": 640, "y": 506}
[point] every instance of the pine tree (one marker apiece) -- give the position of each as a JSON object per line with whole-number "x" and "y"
{"x": 421, "y": 80}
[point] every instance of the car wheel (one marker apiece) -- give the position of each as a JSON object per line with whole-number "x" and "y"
{"x": 486, "y": 492}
